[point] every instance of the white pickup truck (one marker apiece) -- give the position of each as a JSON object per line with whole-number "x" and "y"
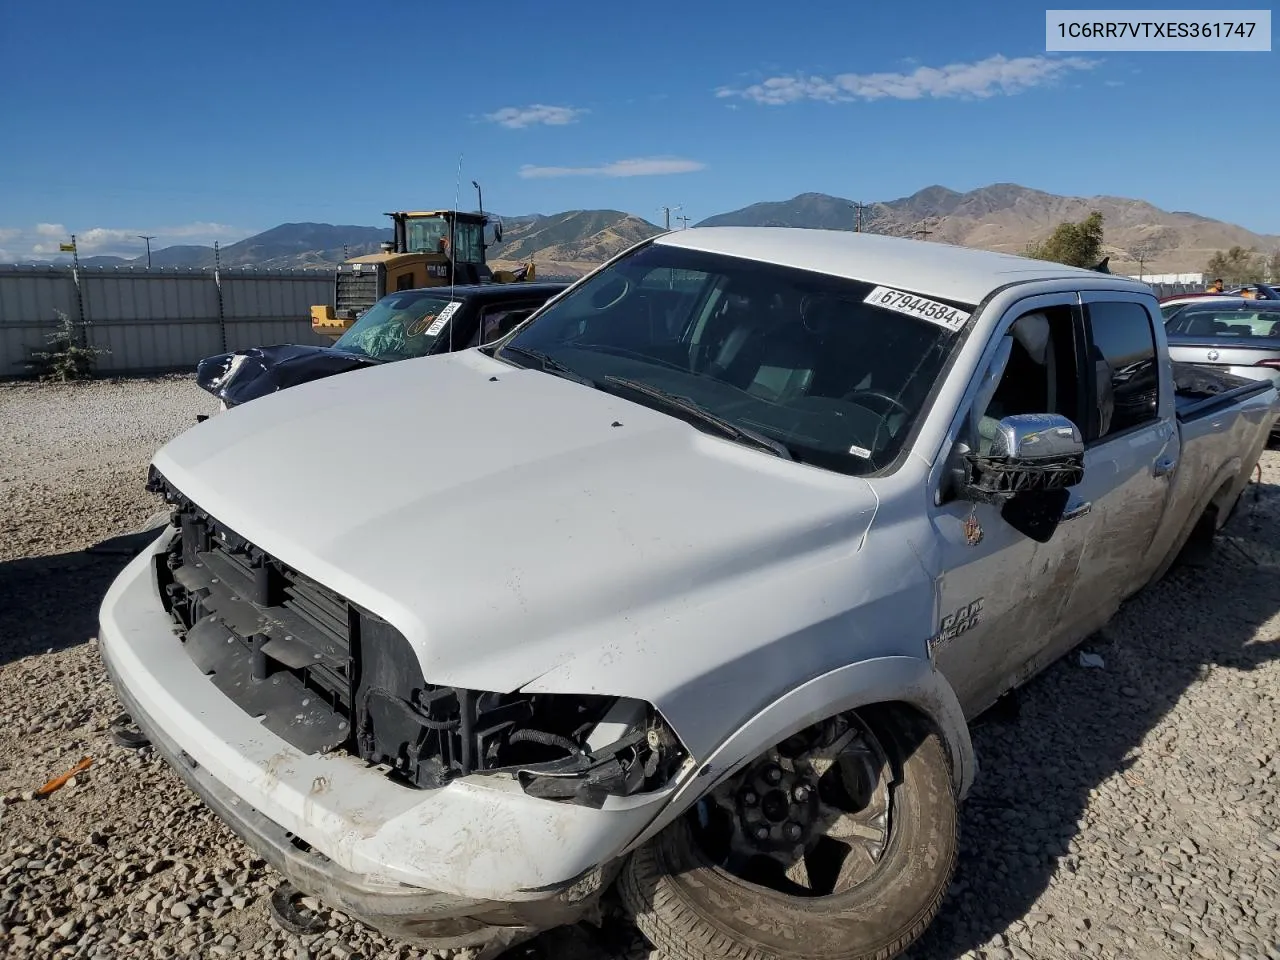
{"x": 691, "y": 583}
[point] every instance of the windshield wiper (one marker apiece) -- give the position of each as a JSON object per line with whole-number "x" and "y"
{"x": 670, "y": 402}
{"x": 548, "y": 364}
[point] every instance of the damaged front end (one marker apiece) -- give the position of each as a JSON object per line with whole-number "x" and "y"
{"x": 326, "y": 675}
{"x": 244, "y": 375}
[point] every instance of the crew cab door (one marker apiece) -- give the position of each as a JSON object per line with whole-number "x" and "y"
{"x": 1000, "y": 592}
{"x": 1131, "y": 453}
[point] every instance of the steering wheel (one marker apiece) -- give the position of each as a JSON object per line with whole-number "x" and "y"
{"x": 892, "y": 401}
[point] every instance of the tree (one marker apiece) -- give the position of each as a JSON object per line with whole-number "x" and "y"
{"x": 1073, "y": 244}
{"x": 69, "y": 357}
{"x": 1237, "y": 265}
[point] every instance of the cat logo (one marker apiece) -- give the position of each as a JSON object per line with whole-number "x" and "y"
{"x": 954, "y": 624}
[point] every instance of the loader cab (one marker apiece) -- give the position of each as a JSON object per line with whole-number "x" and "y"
{"x": 459, "y": 236}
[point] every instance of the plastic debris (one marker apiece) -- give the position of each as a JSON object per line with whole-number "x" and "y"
{"x": 1092, "y": 660}
{"x": 60, "y": 781}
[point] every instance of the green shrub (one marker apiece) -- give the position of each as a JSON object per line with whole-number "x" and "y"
{"x": 68, "y": 356}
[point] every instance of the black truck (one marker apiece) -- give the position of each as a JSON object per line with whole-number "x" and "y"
{"x": 400, "y": 326}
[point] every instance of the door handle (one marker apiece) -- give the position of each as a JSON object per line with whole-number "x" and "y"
{"x": 1163, "y": 467}
{"x": 1079, "y": 510}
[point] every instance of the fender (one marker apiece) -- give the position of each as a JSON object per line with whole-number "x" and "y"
{"x": 912, "y": 680}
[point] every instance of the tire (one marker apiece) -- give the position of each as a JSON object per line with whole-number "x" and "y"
{"x": 690, "y": 909}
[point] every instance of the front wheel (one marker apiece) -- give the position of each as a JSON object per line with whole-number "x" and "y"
{"x": 837, "y": 844}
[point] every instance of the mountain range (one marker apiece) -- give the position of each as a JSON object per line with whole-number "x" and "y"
{"x": 1004, "y": 217}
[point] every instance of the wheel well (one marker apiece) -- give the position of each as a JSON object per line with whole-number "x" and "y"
{"x": 1200, "y": 540}
{"x": 917, "y": 723}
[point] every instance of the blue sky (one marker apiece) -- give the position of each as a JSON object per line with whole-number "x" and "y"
{"x": 196, "y": 122}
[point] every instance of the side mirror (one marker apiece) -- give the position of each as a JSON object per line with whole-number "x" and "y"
{"x": 1028, "y": 453}
{"x": 1029, "y": 463}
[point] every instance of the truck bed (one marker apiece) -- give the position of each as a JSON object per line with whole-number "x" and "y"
{"x": 1200, "y": 391}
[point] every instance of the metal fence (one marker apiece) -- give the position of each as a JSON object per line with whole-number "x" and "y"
{"x": 157, "y": 320}
{"x": 1175, "y": 289}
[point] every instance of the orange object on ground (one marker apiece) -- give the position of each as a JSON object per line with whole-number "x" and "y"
{"x": 57, "y": 782}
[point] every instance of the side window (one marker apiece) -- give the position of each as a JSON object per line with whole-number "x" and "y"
{"x": 499, "y": 321}
{"x": 1042, "y": 375}
{"x": 1126, "y": 375}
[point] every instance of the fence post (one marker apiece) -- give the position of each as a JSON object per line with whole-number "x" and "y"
{"x": 82, "y": 318}
{"x": 217, "y": 282}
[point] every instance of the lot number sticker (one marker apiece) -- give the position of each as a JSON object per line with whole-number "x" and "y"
{"x": 944, "y": 316}
{"x": 449, "y": 310}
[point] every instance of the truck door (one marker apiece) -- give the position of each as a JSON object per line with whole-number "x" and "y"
{"x": 1132, "y": 449}
{"x": 1000, "y": 592}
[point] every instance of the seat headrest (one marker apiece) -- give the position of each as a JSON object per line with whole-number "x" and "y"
{"x": 1032, "y": 332}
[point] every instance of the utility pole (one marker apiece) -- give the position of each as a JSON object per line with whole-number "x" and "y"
{"x": 1140, "y": 253}
{"x": 857, "y": 206}
{"x": 143, "y": 236}
{"x": 666, "y": 213}
{"x": 923, "y": 231}
{"x": 684, "y": 221}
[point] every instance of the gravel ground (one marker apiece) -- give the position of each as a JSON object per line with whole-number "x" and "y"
{"x": 1127, "y": 811}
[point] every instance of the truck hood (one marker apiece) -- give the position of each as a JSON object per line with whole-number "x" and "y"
{"x": 506, "y": 521}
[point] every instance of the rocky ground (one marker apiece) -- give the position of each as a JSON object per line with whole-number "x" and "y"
{"x": 1123, "y": 811}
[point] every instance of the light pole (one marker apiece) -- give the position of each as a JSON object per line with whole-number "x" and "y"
{"x": 143, "y": 236}
{"x": 479, "y": 197}
{"x": 667, "y": 211}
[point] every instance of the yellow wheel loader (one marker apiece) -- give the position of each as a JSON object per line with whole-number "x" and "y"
{"x": 431, "y": 248}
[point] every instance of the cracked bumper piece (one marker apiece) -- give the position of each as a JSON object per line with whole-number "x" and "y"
{"x": 475, "y": 863}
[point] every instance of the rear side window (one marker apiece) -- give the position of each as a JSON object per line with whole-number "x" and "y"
{"x": 1126, "y": 375}
{"x": 1208, "y": 322}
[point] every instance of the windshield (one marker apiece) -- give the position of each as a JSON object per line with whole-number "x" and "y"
{"x": 399, "y": 326}
{"x": 424, "y": 234}
{"x": 1251, "y": 321}
{"x": 835, "y": 370}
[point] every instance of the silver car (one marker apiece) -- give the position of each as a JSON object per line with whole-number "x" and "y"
{"x": 1234, "y": 335}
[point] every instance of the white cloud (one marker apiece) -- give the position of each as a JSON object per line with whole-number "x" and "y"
{"x": 636, "y": 167}
{"x": 537, "y": 113}
{"x": 44, "y": 239}
{"x": 199, "y": 229}
{"x": 986, "y": 78}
